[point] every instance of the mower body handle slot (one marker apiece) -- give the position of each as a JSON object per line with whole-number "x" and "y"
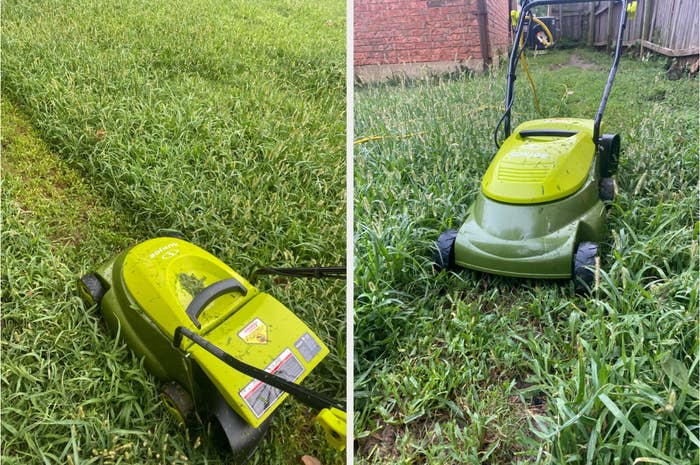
{"x": 546, "y": 133}
{"x": 211, "y": 293}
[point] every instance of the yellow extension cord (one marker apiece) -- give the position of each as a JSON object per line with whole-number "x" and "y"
{"x": 535, "y": 99}
{"x": 371, "y": 138}
{"x": 631, "y": 9}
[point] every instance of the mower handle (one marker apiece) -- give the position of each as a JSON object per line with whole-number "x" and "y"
{"x": 311, "y": 398}
{"x": 330, "y": 272}
{"x": 527, "y": 6}
{"x": 209, "y": 294}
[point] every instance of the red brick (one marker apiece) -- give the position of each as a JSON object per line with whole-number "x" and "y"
{"x": 393, "y": 31}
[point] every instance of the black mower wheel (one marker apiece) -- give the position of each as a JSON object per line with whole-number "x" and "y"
{"x": 607, "y": 189}
{"x": 231, "y": 431}
{"x": 445, "y": 250}
{"x": 91, "y": 289}
{"x": 179, "y": 402}
{"x": 586, "y": 265}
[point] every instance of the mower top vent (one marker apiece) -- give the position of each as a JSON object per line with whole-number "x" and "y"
{"x": 542, "y": 161}
{"x": 513, "y": 171}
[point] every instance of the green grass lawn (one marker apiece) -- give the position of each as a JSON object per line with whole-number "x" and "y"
{"x": 223, "y": 120}
{"x": 466, "y": 367}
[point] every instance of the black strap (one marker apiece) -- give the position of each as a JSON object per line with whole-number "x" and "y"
{"x": 307, "y": 396}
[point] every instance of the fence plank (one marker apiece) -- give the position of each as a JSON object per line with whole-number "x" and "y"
{"x": 669, "y": 27}
{"x": 671, "y": 52}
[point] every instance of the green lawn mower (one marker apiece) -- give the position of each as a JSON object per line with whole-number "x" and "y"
{"x": 227, "y": 354}
{"x": 540, "y": 212}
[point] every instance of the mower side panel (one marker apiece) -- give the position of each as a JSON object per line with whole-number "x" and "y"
{"x": 535, "y": 241}
{"x": 125, "y": 318}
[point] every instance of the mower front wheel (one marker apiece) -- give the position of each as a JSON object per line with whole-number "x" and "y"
{"x": 586, "y": 267}
{"x": 445, "y": 250}
{"x": 179, "y": 402}
{"x": 91, "y": 289}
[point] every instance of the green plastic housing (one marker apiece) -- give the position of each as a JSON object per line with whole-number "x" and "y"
{"x": 512, "y": 234}
{"x": 541, "y": 169}
{"x": 150, "y": 288}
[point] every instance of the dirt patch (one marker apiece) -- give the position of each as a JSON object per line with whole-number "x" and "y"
{"x": 577, "y": 61}
{"x": 380, "y": 443}
{"x": 385, "y": 442}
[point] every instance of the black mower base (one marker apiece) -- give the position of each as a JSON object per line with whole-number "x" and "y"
{"x": 586, "y": 262}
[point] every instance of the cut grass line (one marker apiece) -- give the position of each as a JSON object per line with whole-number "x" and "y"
{"x": 223, "y": 120}
{"x": 57, "y": 194}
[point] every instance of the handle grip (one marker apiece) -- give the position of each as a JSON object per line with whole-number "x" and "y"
{"x": 209, "y": 294}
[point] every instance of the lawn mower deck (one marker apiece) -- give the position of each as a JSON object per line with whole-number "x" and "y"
{"x": 159, "y": 289}
{"x": 540, "y": 212}
{"x": 536, "y": 204}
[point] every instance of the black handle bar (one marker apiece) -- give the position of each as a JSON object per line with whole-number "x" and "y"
{"x": 515, "y": 54}
{"x": 329, "y": 272}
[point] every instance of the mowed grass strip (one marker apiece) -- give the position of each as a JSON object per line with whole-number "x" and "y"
{"x": 222, "y": 120}
{"x": 470, "y": 368}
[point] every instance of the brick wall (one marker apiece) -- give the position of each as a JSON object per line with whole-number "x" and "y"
{"x": 498, "y": 24}
{"x": 415, "y": 31}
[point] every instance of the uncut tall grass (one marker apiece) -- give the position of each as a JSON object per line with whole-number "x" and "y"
{"x": 465, "y": 367}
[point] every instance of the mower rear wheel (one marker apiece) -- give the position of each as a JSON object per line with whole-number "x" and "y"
{"x": 179, "y": 402}
{"x": 229, "y": 429}
{"x": 607, "y": 189}
{"x": 91, "y": 289}
{"x": 586, "y": 267}
{"x": 610, "y": 153}
{"x": 445, "y": 250}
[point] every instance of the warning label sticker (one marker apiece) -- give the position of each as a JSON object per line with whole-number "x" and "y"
{"x": 307, "y": 347}
{"x": 255, "y": 332}
{"x": 259, "y": 396}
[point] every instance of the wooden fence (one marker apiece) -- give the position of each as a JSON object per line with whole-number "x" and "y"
{"x": 669, "y": 27}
